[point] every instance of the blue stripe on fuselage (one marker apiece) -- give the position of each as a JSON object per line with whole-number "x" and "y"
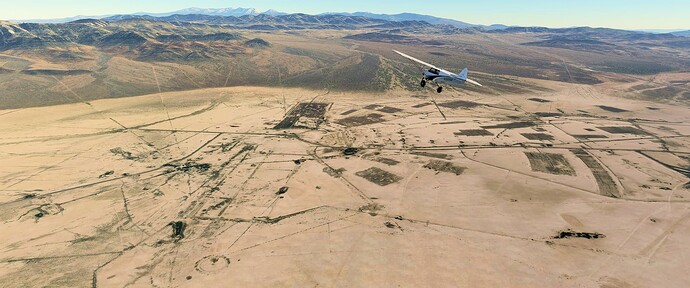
{"x": 447, "y": 80}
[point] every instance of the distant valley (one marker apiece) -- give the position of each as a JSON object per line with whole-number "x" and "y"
{"x": 129, "y": 55}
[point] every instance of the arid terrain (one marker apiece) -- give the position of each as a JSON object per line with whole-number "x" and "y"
{"x": 199, "y": 189}
{"x": 49, "y": 64}
{"x": 312, "y": 158}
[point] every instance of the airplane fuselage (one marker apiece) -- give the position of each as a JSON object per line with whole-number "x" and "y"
{"x": 442, "y": 77}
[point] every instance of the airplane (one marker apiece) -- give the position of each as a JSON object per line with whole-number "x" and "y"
{"x": 440, "y": 76}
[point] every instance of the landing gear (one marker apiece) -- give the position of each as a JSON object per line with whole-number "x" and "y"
{"x": 423, "y": 83}
{"x": 439, "y": 89}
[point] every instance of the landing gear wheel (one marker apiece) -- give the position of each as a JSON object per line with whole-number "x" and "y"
{"x": 423, "y": 83}
{"x": 439, "y": 90}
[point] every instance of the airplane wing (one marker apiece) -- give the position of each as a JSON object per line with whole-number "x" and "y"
{"x": 417, "y": 60}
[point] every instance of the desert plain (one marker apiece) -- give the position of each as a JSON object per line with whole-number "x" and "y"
{"x": 564, "y": 186}
{"x": 301, "y": 151}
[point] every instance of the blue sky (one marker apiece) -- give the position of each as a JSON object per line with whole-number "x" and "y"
{"x": 626, "y": 14}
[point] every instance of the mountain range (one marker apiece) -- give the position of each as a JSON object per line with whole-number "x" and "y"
{"x": 217, "y": 12}
{"x": 238, "y": 12}
{"x": 128, "y": 55}
{"x": 409, "y": 17}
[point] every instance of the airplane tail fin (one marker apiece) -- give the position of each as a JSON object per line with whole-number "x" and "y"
{"x": 463, "y": 74}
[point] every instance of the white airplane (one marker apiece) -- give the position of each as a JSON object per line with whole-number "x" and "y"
{"x": 440, "y": 76}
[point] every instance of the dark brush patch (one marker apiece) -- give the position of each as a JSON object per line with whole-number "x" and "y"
{"x": 548, "y": 114}
{"x": 612, "y": 109}
{"x": 444, "y": 166}
{"x": 379, "y": 176}
{"x": 550, "y": 163}
{"x": 572, "y": 234}
{"x": 361, "y": 120}
{"x": 474, "y": 132}
{"x": 624, "y": 130}
{"x": 390, "y": 110}
{"x": 538, "y": 136}
{"x": 513, "y": 125}
{"x": 421, "y": 105}
{"x": 459, "y": 104}
{"x": 590, "y": 136}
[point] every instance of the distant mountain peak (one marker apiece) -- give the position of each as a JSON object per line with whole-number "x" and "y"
{"x": 217, "y": 11}
{"x": 273, "y": 12}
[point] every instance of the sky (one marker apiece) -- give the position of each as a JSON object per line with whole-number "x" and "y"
{"x": 623, "y": 14}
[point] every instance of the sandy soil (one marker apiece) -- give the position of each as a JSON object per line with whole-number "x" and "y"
{"x": 196, "y": 189}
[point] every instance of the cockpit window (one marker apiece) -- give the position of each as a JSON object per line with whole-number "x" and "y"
{"x": 434, "y": 71}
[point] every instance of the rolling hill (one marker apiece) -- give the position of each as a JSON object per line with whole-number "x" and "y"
{"x": 129, "y": 55}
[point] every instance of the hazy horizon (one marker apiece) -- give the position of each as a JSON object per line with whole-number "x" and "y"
{"x": 632, "y": 15}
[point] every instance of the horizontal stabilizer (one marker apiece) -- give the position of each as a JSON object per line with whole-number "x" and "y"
{"x": 473, "y": 82}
